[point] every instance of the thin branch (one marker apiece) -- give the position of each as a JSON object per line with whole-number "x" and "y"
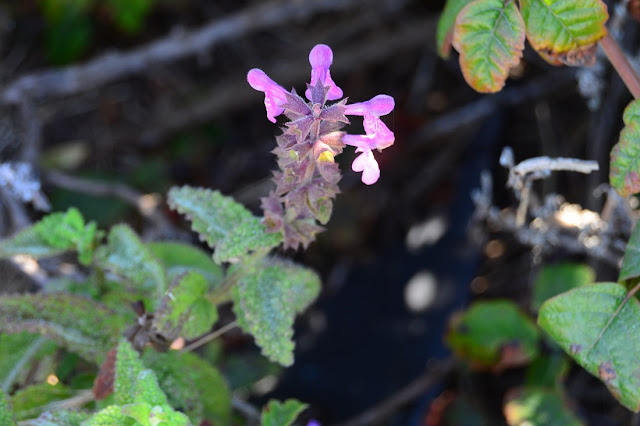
{"x": 621, "y": 64}
{"x": 209, "y": 337}
{"x": 413, "y": 390}
{"x": 541, "y": 164}
{"x": 251, "y": 413}
{"x": 178, "y": 45}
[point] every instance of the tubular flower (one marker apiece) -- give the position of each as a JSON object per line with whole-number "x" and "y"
{"x": 307, "y": 181}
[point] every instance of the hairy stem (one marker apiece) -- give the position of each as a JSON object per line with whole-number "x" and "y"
{"x": 621, "y": 64}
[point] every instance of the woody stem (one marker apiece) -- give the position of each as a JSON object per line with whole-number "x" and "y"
{"x": 621, "y": 64}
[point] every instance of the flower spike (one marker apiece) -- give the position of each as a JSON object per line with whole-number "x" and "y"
{"x": 274, "y": 94}
{"x": 320, "y": 59}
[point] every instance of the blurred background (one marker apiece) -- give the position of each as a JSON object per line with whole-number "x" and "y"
{"x": 111, "y": 100}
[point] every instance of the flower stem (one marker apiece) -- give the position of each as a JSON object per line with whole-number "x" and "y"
{"x": 621, "y": 64}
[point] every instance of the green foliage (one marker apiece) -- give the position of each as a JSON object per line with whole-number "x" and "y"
{"x": 547, "y": 370}
{"x": 60, "y": 418}
{"x": 127, "y": 257}
{"x": 225, "y": 225}
{"x": 129, "y": 15}
{"x": 55, "y": 234}
{"x": 557, "y": 27}
{"x": 278, "y": 413}
{"x": 555, "y": 279}
{"x": 6, "y": 416}
{"x": 32, "y": 401}
{"x": 631, "y": 261}
{"x": 536, "y": 406}
{"x": 179, "y": 258}
{"x": 494, "y": 334}
{"x": 69, "y": 29}
{"x": 445, "y": 25}
{"x": 624, "y": 168}
{"x": 184, "y": 310}
{"x": 594, "y": 327}
{"x": 15, "y": 352}
{"x": 81, "y": 325}
{"x": 489, "y": 34}
{"x": 192, "y": 385}
{"x": 109, "y": 416}
{"x": 266, "y": 299}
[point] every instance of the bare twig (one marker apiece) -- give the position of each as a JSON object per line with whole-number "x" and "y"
{"x": 621, "y": 64}
{"x": 539, "y": 164}
{"x": 413, "y": 390}
{"x": 178, "y": 45}
{"x": 251, "y": 413}
{"x": 209, "y": 337}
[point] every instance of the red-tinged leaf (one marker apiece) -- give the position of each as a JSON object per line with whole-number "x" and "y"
{"x": 444, "y": 32}
{"x": 624, "y": 169}
{"x": 103, "y": 385}
{"x": 563, "y": 31}
{"x": 489, "y": 34}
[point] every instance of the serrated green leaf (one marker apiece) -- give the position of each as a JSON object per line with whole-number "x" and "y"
{"x": 225, "y": 225}
{"x": 584, "y": 323}
{"x": 192, "y": 385}
{"x": 6, "y": 415}
{"x": 536, "y": 406}
{"x": 278, "y": 413}
{"x": 444, "y": 32}
{"x": 631, "y": 262}
{"x": 133, "y": 382}
{"x": 183, "y": 305}
{"x": 109, "y": 416}
{"x": 60, "y": 418}
{"x": 555, "y": 279}
{"x": 126, "y": 256}
{"x": 556, "y": 27}
{"x": 266, "y": 299}
{"x": 53, "y": 235}
{"x": 149, "y": 415}
{"x": 31, "y": 401}
{"x": 489, "y": 34}
{"x": 82, "y": 325}
{"x": 179, "y": 258}
{"x": 494, "y": 334}
{"x": 624, "y": 168}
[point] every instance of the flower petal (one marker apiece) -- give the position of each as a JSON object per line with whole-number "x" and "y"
{"x": 377, "y": 106}
{"x": 320, "y": 59}
{"x": 274, "y": 94}
{"x": 368, "y": 165}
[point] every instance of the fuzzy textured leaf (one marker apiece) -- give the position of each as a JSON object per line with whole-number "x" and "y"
{"x": 192, "y": 385}
{"x": 266, "y": 300}
{"x": 489, "y": 34}
{"x": 82, "y": 325}
{"x": 493, "y": 334}
{"x": 538, "y": 406}
{"x": 225, "y": 225}
{"x": 133, "y": 382}
{"x": 444, "y": 32}
{"x": 179, "y": 258}
{"x": 584, "y": 323}
{"x": 278, "y": 413}
{"x": 126, "y": 256}
{"x": 624, "y": 168}
{"x": 184, "y": 311}
{"x": 631, "y": 261}
{"x": 6, "y": 415}
{"x": 53, "y": 235}
{"x": 109, "y": 416}
{"x": 555, "y": 279}
{"x": 556, "y": 27}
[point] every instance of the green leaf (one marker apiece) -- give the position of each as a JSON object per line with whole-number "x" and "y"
{"x": 489, "y": 34}
{"x": 445, "y": 25}
{"x": 127, "y": 257}
{"x": 594, "y": 328}
{"x": 555, "y": 279}
{"x": 68, "y": 36}
{"x": 631, "y": 261}
{"x": 82, "y": 325}
{"x": 493, "y": 334}
{"x": 266, "y": 299}
{"x": 224, "y": 224}
{"x": 16, "y": 351}
{"x": 53, "y": 235}
{"x": 6, "y": 416}
{"x": 183, "y": 305}
{"x": 278, "y": 413}
{"x": 192, "y": 385}
{"x": 149, "y": 415}
{"x": 133, "y": 382}
{"x": 535, "y": 406}
{"x": 557, "y": 27}
{"x": 30, "y": 402}
{"x": 129, "y": 15}
{"x": 624, "y": 168}
{"x": 109, "y": 416}
{"x": 548, "y": 370}
{"x": 60, "y": 418}
{"x": 179, "y": 258}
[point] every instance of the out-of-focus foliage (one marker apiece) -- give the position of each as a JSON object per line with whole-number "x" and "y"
{"x": 535, "y": 406}
{"x": 624, "y": 170}
{"x": 555, "y": 279}
{"x": 278, "y": 413}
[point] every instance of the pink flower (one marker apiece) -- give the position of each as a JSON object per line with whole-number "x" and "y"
{"x": 274, "y": 94}
{"x": 377, "y": 106}
{"x": 320, "y": 59}
{"x": 368, "y": 165}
